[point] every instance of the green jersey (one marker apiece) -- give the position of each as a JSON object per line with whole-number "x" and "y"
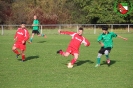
{"x": 36, "y": 22}
{"x": 107, "y": 39}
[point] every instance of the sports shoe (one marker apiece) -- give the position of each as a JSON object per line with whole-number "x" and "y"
{"x": 97, "y": 65}
{"x": 17, "y": 55}
{"x": 59, "y": 51}
{"x": 23, "y": 60}
{"x": 45, "y": 36}
{"x": 70, "y": 65}
{"x": 29, "y": 42}
{"x": 108, "y": 61}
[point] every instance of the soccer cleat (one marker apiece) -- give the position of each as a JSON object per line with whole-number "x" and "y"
{"x": 97, "y": 65}
{"x": 45, "y": 36}
{"x": 108, "y": 61}
{"x": 29, "y": 42}
{"x": 23, "y": 60}
{"x": 17, "y": 55}
{"x": 69, "y": 65}
{"x": 59, "y": 51}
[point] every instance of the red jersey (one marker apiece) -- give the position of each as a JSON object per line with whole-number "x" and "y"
{"x": 76, "y": 40}
{"x": 22, "y": 34}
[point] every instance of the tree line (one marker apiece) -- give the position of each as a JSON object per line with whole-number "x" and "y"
{"x": 61, "y": 12}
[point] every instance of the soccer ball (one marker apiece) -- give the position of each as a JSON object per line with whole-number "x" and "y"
{"x": 70, "y": 65}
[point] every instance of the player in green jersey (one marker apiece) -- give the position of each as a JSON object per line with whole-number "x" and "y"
{"x": 36, "y": 29}
{"x": 106, "y": 41}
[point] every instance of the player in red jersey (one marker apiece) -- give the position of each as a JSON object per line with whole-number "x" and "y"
{"x": 21, "y": 36}
{"x": 74, "y": 45}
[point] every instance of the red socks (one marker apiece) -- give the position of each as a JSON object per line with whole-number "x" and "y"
{"x": 62, "y": 53}
{"x": 73, "y": 61}
{"x": 15, "y": 51}
{"x": 23, "y": 57}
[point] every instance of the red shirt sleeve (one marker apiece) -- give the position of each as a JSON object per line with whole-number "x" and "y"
{"x": 15, "y": 36}
{"x": 26, "y": 35}
{"x": 66, "y": 32}
{"x": 86, "y": 42}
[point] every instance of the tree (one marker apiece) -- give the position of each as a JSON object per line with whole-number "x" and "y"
{"x": 5, "y": 12}
{"x": 61, "y": 11}
{"x": 95, "y": 11}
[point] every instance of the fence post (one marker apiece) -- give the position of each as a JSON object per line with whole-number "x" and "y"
{"x": 128, "y": 27}
{"x": 2, "y": 30}
{"x": 111, "y": 27}
{"x": 41, "y": 29}
{"x": 59, "y": 27}
{"x": 94, "y": 28}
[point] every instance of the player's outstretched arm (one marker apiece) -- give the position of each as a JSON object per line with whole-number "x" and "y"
{"x": 27, "y": 35}
{"x": 122, "y": 37}
{"x": 15, "y": 36}
{"x": 86, "y": 42}
{"x": 65, "y": 32}
{"x": 101, "y": 44}
{"x": 59, "y": 31}
{"x": 35, "y": 24}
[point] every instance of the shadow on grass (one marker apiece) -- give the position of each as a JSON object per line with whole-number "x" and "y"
{"x": 79, "y": 62}
{"x": 83, "y": 62}
{"x": 111, "y": 62}
{"x": 30, "y": 58}
{"x": 41, "y": 41}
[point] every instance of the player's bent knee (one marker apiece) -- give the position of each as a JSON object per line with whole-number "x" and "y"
{"x": 66, "y": 54}
{"x": 13, "y": 48}
{"x": 106, "y": 52}
{"x": 99, "y": 55}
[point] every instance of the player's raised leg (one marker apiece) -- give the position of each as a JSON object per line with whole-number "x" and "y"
{"x": 60, "y": 52}
{"x": 43, "y": 35}
{"x": 63, "y": 53}
{"x": 31, "y": 38}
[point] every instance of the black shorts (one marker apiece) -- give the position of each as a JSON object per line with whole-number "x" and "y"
{"x": 36, "y": 32}
{"x": 102, "y": 50}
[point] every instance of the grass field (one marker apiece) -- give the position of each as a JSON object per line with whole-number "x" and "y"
{"x": 43, "y": 68}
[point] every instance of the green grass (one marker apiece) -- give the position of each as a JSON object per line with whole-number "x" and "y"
{"x": 45, "y": 69}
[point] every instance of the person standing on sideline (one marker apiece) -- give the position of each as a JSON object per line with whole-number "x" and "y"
{"x": 106, "y": 41}
{"x": 36, "y": 29}
{"x": 20, "y": 38}
{"x": 74, "y": 45}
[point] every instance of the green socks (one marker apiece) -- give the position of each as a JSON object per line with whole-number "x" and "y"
{"x": 42, "y": 35}
{"x": 98, "y": 60}
{"x": 31, "y": 39}
{"x": 107, "y": 56}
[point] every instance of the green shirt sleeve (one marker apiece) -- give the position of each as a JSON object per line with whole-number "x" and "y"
{"x": 113, "y": 34}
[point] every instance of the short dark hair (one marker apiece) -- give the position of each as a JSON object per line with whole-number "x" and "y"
{"x": 105, "y": 28}
{"x": 81, "y": 28}
{"x": 23, "y": 23}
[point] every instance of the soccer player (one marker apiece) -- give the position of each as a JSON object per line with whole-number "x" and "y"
{"x": 20, "y": 38}
{"x": 74, "y": 45}
{"x": 35, "y": 29}
{"x": 106, "y": 41}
